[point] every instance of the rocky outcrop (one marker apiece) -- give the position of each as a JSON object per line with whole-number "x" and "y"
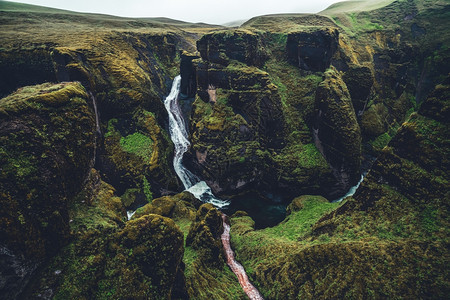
{"x": 312, "y": 51}
{"x": 149, "y": 247}
{"x": 182, "y": 205}
{"x": 236, "y": 117}
{"x": 359, "y": 81}
{"x": 47, "y": 134}
{"x": 207, "y": 275}
{"x": 241, "y": 45}
{"x": 337, "y": 132}
{"x": 136, "y": 155}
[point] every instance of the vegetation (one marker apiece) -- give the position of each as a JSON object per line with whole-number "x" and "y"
{"x": 138, "y": 144}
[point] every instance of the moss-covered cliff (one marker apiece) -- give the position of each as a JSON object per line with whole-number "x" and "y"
{"x": 389, "y": 240}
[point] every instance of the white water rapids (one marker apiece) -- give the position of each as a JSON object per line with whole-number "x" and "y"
{"x": 179, "y": 136}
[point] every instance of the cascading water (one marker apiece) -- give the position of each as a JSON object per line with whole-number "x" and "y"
{"x": 97, "y": 128}
{"x": 197, "y": 187}
{"x": 179, "y": 136}
{"x": 351, "y": 191}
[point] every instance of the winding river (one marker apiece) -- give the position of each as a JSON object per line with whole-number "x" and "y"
{"x": 199, "y": 188}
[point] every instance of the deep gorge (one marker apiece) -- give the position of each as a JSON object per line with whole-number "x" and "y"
{"x": 283, "y": 115}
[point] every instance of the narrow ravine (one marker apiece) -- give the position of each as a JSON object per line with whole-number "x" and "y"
{"x": 197, "y": 187}
{"x": 180, "y": 139}
{"x": 236, "y": 267}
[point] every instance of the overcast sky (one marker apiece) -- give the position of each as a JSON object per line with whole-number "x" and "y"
{"x": 208, "y": 11}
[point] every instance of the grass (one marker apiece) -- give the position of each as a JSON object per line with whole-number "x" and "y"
{"x": 354, "y": 6}
{"x": 299, "y": 223}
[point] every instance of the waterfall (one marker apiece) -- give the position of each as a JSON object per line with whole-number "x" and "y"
{"x": 179, "y": 136}
{"x": 351, "y": 191}
{"x": 97, "y": 119}
{"x": 199, "y": 188}
{"x": 97, "y": 136}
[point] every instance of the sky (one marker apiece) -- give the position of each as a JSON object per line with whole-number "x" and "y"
{"x": 207, "y": 11}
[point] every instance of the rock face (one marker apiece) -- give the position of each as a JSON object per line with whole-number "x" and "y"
{"x": 312, "y": 51}
{"x": 243, "y": 46}
{"x": 26, "y": 67}
{"x": 136, "y": 149}
{"x": 415, "y": 163}
{"x": 47, "y": 134}
{"x": 188, "y": 86}
{"x": 338, "y": 135}
{"x": 359, "y": 81}
{"x": 237, "y": 116}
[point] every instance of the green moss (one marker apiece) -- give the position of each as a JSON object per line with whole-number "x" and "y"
{"x": 129, "y": 196}
{"x": 112, "y": 123}
{"x": 381, "y": 141}
{"x": 138, "y": 144}
{"x": 146, "y": 189}
{"x": 38, "y": 96}
{"x": 190, "y": 255}
{"x": 429, "y": 219}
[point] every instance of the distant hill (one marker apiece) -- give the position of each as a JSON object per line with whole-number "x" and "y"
{"x": 235, "y": 23}
{"x": 14, "y": 7}
{"x": 354, "y": 6}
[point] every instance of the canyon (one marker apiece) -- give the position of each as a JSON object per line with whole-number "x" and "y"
{"x": 270, "y": 123}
